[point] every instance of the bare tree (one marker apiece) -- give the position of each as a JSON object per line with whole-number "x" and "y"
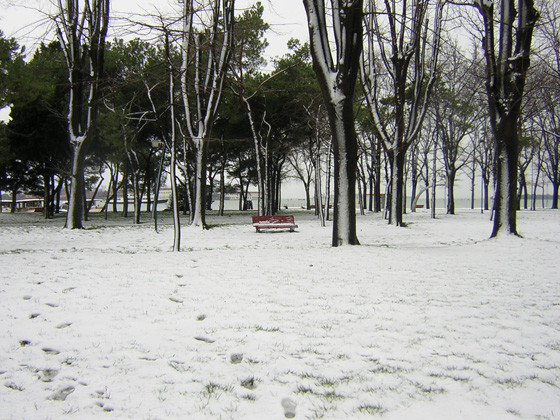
{"x": 424, "y": 146}
{"x": 507, "y": 55}
{"x": 456, "y": 110}
{"x": 337, "y": 78}
{"x": 399, "y": 66}
{"x": 207, "y": 44}
{"x": 549, "y": 124}
{"x": 319, "y": 147}
{"x": 81, "y": 28}
{"x": 169, "y": 136}
{"x": 302, "y": 160}
{"x": 548, "y": 95}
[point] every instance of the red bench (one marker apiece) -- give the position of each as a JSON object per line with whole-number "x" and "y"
{"x": 274, "y": 222}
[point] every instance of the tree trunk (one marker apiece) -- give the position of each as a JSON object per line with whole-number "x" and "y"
{"x": 451, "y": 193}
{"x": 345, "y": 162}
{"x": 13, "y": 204}
{"x": 307, "y": 196}
{"x": 116, "y": 190}
{"x": 337, "y": 79}
{"x": 157, "y": 188}
{"x": 377, "y": 193}
{"x": 261, "y": 172}
{"x": 413, "y": 194}
{"x": 319, "y": 191}
{"x": 364, "y": 193}
{"x": 486, "y": 194}
{"x": 473, "y": 186}
{"x": 148, "y": 183}
{"x": 397, "y": 176}
{"x": 242, "y": 198}
{"x": 57, "y": 193}
{"x": 137, "y": 198}
{"x": 47, "y": 197}
{"x": 125, "y": 193}
{"x": 328, "y": 187}
{"x": 222, "y": 188}
{"x": 246, "y": 200}
{"x": 434, "y": 179}
{"x": 75, "y": 214}
{"x": 176, "y": 216}
{"x": 360, "y": 197}
{"x": 535, "y": 186}
{"x": 505, "y": 196}
{"x": 199, "y": 211}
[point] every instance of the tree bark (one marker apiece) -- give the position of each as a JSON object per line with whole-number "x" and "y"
{"x": 397, "y": 183}
{"x": 507, "y": 63}
{"x": 345, "y": 162}
{"x": 199, "y": 210}
{"x": 555, "y": 187}
{"x": 505, "y": 198}
{"x": 82, "y": 36}
{"x": 75, "y": 215}
{"x": 337, "y": 79}
{"x": 202, "y": 102}
{"x": 451, "y": 193}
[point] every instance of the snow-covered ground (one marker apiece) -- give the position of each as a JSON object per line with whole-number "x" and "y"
{"x": 432, "y": 321}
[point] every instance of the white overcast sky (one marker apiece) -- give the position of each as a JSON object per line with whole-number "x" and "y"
{"x": 26, "y": 20}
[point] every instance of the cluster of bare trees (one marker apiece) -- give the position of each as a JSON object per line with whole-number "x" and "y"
{"x": 82, "y": 29}
{"x": 206, "y": 45}
{"x": 423, "y": 98}
{"x": 406, "y": 104}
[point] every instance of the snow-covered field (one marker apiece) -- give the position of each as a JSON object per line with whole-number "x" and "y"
{"x": 432, "y": 321}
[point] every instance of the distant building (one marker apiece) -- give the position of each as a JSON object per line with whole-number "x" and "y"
{"x": 24, "y": 202}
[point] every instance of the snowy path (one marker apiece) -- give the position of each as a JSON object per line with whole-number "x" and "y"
{"x": 432, "y": 321}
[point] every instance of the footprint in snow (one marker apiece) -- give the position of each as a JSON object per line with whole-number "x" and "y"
{"x": 289, "y": 407}
{"x": 48, "y": 350}
{"x": 34, "y": 315}
{"x": 13, "y": 386}
{"x": 47, "y": 375}
{"x": 104, "y": 406}
{"x": 205, "y": 339}
{"x": 178, "y": 365}
{"x": 236, "y": 358}
{"x": 249, "y": 383}
{"x": 176, "y": 300}
{"x": 52, "y": 305}
{"x": 63, "y": 325}
{"x": 61, "y": 393}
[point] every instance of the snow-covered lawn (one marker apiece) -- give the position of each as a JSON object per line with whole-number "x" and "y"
{"x": 432, "y": 321}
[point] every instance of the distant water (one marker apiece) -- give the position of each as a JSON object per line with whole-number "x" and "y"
{"x": 299, "y": 203}
{"x": 460, "y": 203}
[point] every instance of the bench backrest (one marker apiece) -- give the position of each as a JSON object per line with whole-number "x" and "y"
{"x": 274, "y": 219}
